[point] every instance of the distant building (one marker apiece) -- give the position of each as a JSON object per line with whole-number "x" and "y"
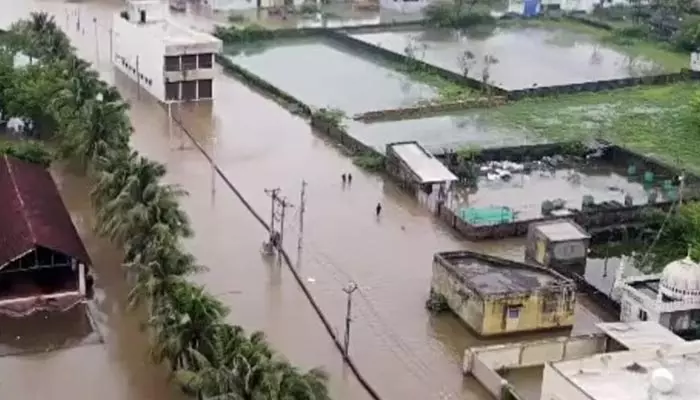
{"x": 667, "y": 371}
{"x": 43, "y": 263}
{"x": 418, "y": 170}
{"x": 496, "y": 296}
{"x": 671, "y": 298}
{"x": 171, "y": 62}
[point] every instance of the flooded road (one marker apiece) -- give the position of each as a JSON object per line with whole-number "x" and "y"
{"x": 402, "y": 350}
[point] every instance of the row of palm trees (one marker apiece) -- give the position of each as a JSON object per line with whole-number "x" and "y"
{"x": 136, "y": 210}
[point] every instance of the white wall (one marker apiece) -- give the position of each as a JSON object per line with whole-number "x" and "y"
{"x": 557, "y": 387}
{"x": 130, "y": 42}
{"x": 404, "y": 6}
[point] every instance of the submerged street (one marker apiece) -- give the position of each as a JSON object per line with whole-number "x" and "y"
{"x": 402, "y": 350}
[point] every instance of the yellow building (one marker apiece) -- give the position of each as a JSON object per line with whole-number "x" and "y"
{"x": 496, "y": 296}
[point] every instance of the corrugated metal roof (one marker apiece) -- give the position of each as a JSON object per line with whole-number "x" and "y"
{"x": 423, "y": 164}
{"x": 32, "y": 213}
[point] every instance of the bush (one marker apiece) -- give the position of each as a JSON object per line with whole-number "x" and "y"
{"x": 688, "y": 37}
{"x": 448, "y": 14}
{"x": 28, "y": 150}
{"x": 308, "y": 8}
{"x": 330, "y": 116}
{"x": 373, "y": 162}
{"x": 250, "y": 33}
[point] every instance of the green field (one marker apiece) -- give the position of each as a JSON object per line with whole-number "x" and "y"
{"x": 652, "y": 120}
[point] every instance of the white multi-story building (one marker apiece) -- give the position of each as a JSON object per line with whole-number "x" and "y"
{"x": 671, "y": 298}
{"x": 171, "y": 62}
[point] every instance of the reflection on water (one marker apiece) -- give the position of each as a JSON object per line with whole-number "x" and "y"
{"x": 525, "y": 57}
{"x": 321, "y": 74}
{"x": 440, "y": 133}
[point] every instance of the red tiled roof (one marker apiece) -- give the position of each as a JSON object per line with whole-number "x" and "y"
{"x": 32, "y": 213}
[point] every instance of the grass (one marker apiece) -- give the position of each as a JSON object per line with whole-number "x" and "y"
{"x": 661, "y": 53}
{"x": 448, "y": 91}
{"x": 651, "y": 120}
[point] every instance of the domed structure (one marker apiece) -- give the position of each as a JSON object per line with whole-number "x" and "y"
{"x": 680, "y": 280}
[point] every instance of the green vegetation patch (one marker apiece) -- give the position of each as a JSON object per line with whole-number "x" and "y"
{"x": 653, "y": 120}
{"x": 660, "y": 52}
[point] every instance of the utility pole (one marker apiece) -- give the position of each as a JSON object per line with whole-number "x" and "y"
{"x": 349, "y": 290}
{"x": 97, "y": 41}
{"x": 302, "y": 209}
{"x": 273, "y": 193}
{"x": 138, "y": 80}
{"x": 282, "y": 202}
{"x": 681, "y": 189}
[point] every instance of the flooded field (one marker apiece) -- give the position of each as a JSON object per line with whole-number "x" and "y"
{"x": 524, "y": 192}
{"x": 519, "y": 57}
{"x": 321, "y": 73}
{"x": 402, "y": 350}
{"x": 439, "y": 133}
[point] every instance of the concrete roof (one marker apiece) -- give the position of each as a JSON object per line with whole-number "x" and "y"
{"x": 640, "y": 334}
{"x": 422, "y": 163}
{"x": 626, "y": 375}
{"x": 561, "y": 230}
{"x": 489, "y": 275}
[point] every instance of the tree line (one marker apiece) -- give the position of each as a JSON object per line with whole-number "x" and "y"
{"x": 61, "y": 100}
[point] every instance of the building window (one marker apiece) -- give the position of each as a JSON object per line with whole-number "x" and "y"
{"x": 189, "y": 90}
{"x": 513, "y": 312}
{"x": 205, "y": 60}
{"x": 172, "y": 63}
{"x": 642, "y": 315}
{"x": 204, "y": 88}
{"x": 172, "y": 91}
{"x": 189, "y": 62}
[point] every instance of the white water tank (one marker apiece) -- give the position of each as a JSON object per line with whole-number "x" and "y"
{"x": 662, "y": 380}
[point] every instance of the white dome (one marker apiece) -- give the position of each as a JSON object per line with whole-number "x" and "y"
{"x": 681, "y": 280}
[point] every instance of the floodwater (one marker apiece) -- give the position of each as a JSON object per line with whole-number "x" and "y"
{"x": 525, "y": 192}
{"x": 323, "y": 74}
{"x": 402, "y": 350}
{"x": 440, "y": 133}
{"x": 520, "y": 58}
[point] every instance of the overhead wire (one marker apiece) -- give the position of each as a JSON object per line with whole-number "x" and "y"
{"x": 379, "y": 326}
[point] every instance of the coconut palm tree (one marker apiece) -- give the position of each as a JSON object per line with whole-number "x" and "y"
{"x": 186, "y": 318}
{"x": 141, "y": 205}
{"x": 97, "y": 128}
{"x": 159, "y": 272}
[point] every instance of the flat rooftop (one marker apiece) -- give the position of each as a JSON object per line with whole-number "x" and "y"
{"x": 640, "y": 334}
{"x": 423, "y": 164}
{"x": 561, "y": 230}
{"x": 625, "y": 375}
{"x": 493, "y": 276}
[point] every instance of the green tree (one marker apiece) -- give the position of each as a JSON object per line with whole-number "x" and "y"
{"x": 28, "y": 150}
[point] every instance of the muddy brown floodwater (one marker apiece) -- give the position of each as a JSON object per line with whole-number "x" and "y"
{"x": 402, "y": 350}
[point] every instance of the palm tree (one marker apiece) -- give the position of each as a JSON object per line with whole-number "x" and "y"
{"x": 157, "y": 273}
{"x": 136, "y": 204}
{"x": 186, "y": 318}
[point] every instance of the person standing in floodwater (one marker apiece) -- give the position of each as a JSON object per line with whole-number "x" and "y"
{"x": 344, "y": 178}
{"x": 378, "y": 209}
{"x": 349, "y": 178}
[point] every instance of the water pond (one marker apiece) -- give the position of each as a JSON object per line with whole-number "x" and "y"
{"x": 323, "y": 74}
{"x": 518, "y": 57}
{"x": 438, "y": 133}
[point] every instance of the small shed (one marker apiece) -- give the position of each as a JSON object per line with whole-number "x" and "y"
{"x": 556, "y": 243}
{"x": 416, "y": 168}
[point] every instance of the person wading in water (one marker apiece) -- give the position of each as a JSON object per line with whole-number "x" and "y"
{"x": 378, "y": 209}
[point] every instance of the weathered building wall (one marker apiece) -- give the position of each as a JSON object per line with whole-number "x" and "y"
{"x": 557, "y": 387}
{"x": 534, "y": 314}
{"x": 534, "y": 353}
{"x": 466, "y": 304}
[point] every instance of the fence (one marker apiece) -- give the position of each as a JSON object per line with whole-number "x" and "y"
{"x": 602, "y": 85}
{"x": 427, "y": 109}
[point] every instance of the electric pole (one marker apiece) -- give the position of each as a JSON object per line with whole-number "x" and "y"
{"x": 349, "y": 290}
{"x": 302, "y": 209}
{"x": 273, "y": 193}
{"x": 284, "y": 204}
